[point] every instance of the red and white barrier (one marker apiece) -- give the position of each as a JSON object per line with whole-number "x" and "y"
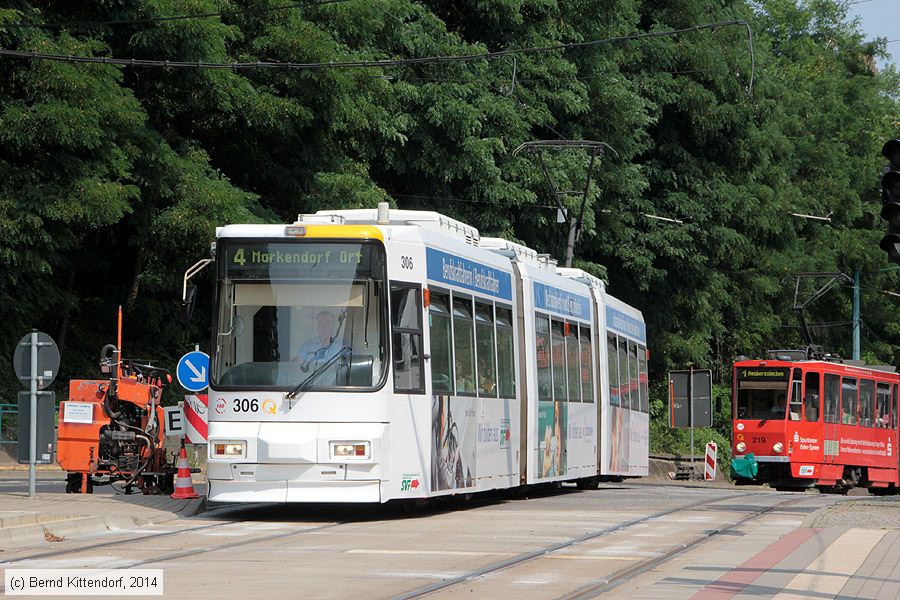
{"x": 709, "y": 472}
{"x": 196, "y": 419}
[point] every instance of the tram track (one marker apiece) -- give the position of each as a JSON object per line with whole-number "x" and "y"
{"x": 606, "y": 584}
{"x": 621, "y": 576}
{"x": 187, "y": 530}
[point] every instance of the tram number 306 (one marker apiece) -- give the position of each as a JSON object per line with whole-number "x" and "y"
{"x": 245, "y": 405}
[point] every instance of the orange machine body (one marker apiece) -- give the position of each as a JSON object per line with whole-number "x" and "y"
{"x": 78, "y": 447}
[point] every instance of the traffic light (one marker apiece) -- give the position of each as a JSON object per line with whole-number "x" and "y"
{"x": 890, "y": 199}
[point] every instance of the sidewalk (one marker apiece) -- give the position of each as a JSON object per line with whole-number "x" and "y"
{"x": 28, "y": 521}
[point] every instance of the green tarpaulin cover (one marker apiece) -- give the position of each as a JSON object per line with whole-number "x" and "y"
{"x": 744, "y": 467}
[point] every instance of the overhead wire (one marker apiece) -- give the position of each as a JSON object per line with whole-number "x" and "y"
{"x": 318, "y": 66}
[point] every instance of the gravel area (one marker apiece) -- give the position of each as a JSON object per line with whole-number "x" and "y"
{"x": 868, "y": 513}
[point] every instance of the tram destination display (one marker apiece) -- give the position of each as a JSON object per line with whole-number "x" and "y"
{"x": 302, "y": 260}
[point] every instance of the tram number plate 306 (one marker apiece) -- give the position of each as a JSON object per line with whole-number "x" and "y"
{"x": 245, "y": 405}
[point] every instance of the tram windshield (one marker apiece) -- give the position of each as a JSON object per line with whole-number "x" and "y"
{"x": 292, "y": 312}
{"x": 762, "y": 393}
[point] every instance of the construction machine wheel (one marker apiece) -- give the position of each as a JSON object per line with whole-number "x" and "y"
{"x": 73, "y": 484}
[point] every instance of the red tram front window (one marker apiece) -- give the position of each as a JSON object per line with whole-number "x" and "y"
{"x": 762, "y": 392}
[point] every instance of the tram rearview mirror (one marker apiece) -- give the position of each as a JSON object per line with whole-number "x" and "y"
{"x": 187, "y": 307}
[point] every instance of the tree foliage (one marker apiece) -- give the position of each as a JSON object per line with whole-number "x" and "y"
{"x": 113, "y": 179}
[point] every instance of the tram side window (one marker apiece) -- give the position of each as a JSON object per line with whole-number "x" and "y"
{"x": 883, "y": 406}
{"x": 542, "y": 344}
{"x": 505, "y": 353}
{"x": 832, "y": 398}
{"x": 644, "y": 379}
{"x": 633, "y": 377}
{"x": 795, "y": 404}
{"x": 811, "y": 399}
{"x": 484, "y": 345}
{"x": 587, "y": 366}
{"x": 558, "y": 360}
{"x": 893, "y": 423}
{"x": 406, "y": 322}
{"x": 463, "y": 346}
{"x": 866, "y": 402}
{"x": 441, "y": 344}
{"x": 624, "y": 383}
{"x": 572, "y": 361}
{"x": 613, "y": 367}
{"x": 848, "y": 401}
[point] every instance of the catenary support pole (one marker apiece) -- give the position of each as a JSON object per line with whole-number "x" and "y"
{"x": 856, "y": 323}
{"x": 691, "y": 411}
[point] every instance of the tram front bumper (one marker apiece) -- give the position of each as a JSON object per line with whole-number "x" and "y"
{"x": 294, "y": 491}
{"x": 744, "y": 467}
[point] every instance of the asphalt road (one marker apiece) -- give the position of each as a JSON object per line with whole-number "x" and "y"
{"x": 54, "y": 482}
{"x": 617, "y": 541}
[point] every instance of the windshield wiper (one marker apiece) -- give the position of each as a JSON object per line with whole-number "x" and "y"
{"x": 307, "y": 383}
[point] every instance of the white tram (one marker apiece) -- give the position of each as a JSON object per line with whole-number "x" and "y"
{"x": 374, "y": 355}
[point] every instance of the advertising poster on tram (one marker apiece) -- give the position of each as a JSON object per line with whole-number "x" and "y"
{"x": 619, "y": 436}
{"x": 453, "y": 435}
{"x": 552, "y": 428}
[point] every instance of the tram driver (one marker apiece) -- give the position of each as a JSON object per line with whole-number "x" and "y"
{"x": 778, "y": 405}
{"x": 322, "y": 347}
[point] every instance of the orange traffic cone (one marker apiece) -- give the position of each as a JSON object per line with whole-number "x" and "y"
{"x": 184, "y": 488}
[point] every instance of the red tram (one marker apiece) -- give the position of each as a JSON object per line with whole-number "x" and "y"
{"x": 803, "y": 423}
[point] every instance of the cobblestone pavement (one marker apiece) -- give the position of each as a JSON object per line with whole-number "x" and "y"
{"x": 871, "y": 513}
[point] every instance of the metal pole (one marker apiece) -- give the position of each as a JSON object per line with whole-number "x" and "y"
{"x": 856, "y": 314}
{"x": 691, "y": 410}
{"x": 32, "y": 442}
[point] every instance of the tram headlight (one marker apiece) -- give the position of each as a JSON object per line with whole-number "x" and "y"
{"x": 359, "y": 450}
{"x": 228, "y": 449}
{"x": 741, "y": 446}
{"x": 778, "y": 447}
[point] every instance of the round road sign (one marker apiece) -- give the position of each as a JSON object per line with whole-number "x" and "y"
{"x": 47, "y": 360}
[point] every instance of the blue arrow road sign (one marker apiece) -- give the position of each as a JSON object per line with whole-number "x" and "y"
{"x": 193, "y": 371}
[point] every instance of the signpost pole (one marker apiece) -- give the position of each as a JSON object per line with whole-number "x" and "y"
{"x": 32, "y": 442}
{"x": 691, "y": 411}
